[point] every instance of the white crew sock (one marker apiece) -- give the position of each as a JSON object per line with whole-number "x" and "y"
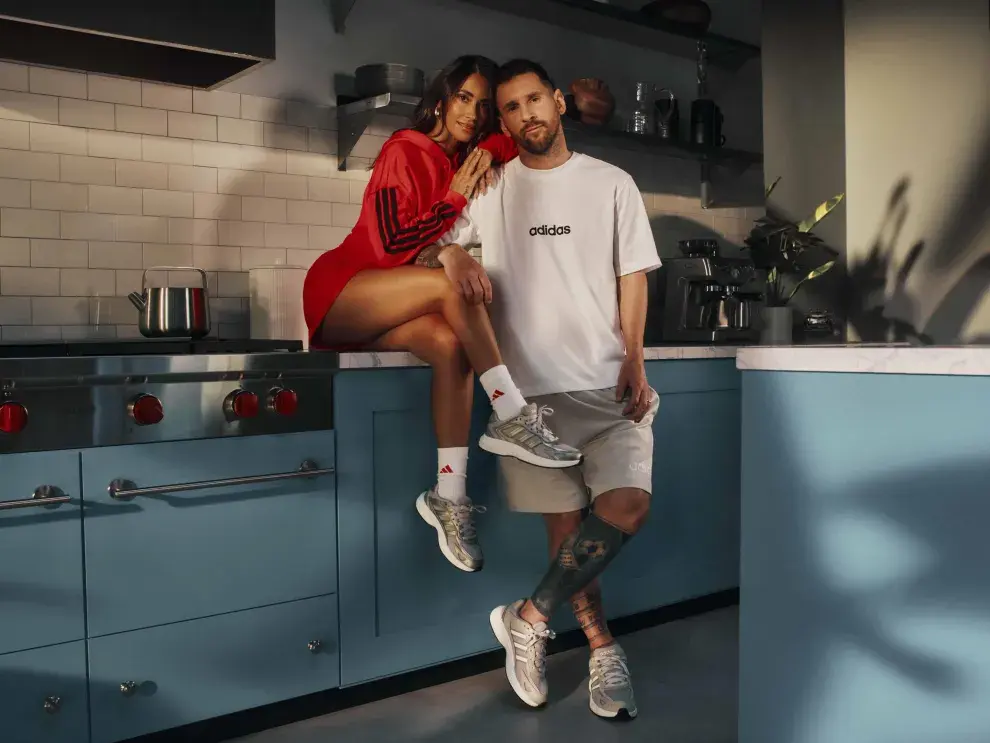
{"x": 503, "y": 394}
{"x": 452, "y": 474}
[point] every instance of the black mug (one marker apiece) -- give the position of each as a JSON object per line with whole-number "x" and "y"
{"x": 706, "y": 124}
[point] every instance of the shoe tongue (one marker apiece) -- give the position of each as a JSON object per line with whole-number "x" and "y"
{"x": 613, "y": 651}
{"x": 540, "y": 626}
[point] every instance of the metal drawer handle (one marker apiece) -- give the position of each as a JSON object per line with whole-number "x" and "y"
{"x": 46, "y": 496}
{"x": 129, "y": 688}
{"x": 125, "y": 489}
{"x": 315, "y": 646}
{"x": 53, "y": 705}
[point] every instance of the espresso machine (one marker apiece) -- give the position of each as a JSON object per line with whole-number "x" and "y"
{"x": 711, "y": 299}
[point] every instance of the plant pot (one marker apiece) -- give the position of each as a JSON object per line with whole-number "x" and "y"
{"x": 778, "y": 326}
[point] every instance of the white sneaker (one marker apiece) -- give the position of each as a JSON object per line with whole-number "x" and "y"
{"x": 610, "y": 692}
{"x": 525, "y": 652}
{"x": 528, "y": 438}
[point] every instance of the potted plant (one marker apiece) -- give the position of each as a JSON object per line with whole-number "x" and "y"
{"x": 791, "y": 255}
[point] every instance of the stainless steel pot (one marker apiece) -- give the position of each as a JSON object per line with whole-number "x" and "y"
{"x": 172, "y": 311}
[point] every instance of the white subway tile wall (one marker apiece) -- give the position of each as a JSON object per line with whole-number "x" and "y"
{"x": 101, "y": 178}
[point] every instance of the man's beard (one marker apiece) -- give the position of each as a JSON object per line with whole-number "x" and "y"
{"x": 547, "y": 137}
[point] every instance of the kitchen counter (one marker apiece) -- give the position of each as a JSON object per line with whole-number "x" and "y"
{"x": 869, "y": 359}
{"x": 397, "y": 359}
{"x": 863, "y": 544}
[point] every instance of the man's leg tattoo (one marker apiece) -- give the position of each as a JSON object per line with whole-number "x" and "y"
{"x": 587, "y": 606}
{"x": 582, "y": 557}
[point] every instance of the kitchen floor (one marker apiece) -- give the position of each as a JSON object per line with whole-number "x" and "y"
{"x": 685, "y": 676}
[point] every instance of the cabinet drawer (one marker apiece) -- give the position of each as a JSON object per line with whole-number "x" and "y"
{"x": 167, "y": 557}
{"x": 43, "y": 695}
{"x": 693, "y": 375}
{"x": 41, "y": 577}
{"x": 164, "y": 677}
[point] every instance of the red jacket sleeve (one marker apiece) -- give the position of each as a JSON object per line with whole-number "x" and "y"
{"x": 398, "y": 229}
{"x": 502, "y": 147}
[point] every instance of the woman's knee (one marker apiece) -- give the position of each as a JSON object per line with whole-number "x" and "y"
{"x": 440, "y": 345}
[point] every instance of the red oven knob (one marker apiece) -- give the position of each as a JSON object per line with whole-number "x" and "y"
{"x": 283, "y": 401}
{"x": 241, "y": 404}
{"x": 13, "y": 417}
{"x": 146, "y": 410}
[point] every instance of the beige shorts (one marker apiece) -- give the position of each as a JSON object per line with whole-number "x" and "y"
{"x": 618, "y": 453}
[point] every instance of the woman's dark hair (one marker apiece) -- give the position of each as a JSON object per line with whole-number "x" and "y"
{"x": 447, "y": 82}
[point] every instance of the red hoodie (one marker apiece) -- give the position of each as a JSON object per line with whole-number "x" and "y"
{"x": 407, "y": 206}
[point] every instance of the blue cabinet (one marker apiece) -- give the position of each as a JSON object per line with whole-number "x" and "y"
{"x": 43, "y": 695}
{"x": 41, "y": 574}
{"x": 163, "y": 677}
{"x": 402, "y": 605}
{"x": 689, "y": 547}
{"x": 161, "y": 558}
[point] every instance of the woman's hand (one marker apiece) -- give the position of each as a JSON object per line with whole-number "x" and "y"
{"x": 466, "y": 274}
{"x": 488, "y": 180}
{"x": 468, "y": 175}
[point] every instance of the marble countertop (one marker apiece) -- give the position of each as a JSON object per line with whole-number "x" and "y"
{"x": 865, "y": 358}
{"x": 398, "y": 359}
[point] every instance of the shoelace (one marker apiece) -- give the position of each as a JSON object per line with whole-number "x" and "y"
{"x": 536, "y": 424}
{"x": 536, "y": 647}
{"x": 612, "y": 671}
{"x": 462, "y": 519}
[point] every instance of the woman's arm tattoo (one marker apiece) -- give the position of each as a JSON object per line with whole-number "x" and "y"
{"x": 430, "y": 256}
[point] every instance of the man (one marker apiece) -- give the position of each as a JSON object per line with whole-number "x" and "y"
{"x": 566, "y": 245}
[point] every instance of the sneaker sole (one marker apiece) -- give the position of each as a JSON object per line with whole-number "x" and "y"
{"x": 503, "y": 448}
{"x": 430, "y": 518}
{"x": 608, "y": 714}
{"x": 498, "y": 628}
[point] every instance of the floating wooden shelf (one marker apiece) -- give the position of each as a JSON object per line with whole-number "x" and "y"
{"x": 354, "y": 118}
{"x": 607, "y": 22}
{"x": 628, "y": 26}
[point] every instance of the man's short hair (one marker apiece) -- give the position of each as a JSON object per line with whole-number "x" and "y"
{"x": 516, "y": 67}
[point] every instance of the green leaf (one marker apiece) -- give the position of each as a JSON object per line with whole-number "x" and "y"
{"x": 814, "y": 274}
{"x": 771, "y": 188}
{"x": 820, "y": 213}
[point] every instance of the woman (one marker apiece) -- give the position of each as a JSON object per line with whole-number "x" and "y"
{"x": 380, "y": 290}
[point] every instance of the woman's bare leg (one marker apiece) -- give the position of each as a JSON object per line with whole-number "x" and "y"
{"x": 431, "y": 339}
{"x": 447, "y": 508}
{"x": 376, "y": 301}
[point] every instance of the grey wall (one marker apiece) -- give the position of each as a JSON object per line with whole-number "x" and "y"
{"x": 918, "y": 165}
{"x": 804, "y": 124}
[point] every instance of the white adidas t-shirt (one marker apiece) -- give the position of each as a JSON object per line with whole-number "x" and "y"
{"x": 553, "y": 244}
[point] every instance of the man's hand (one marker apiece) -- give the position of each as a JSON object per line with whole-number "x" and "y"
{"x": 466, "y": 274}
{"x": 632, "y": 382}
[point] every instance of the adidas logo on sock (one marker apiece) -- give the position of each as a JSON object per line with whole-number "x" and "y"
{"x": 447, "y": 470}
{"x": 497, "y": 394}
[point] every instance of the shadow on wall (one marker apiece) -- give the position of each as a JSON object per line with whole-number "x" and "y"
{"x": 880, "y": 306}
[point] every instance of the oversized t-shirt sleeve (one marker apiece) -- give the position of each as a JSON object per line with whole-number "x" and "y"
{"x": 465, "y": 230}
{"x": 634, "y": 246}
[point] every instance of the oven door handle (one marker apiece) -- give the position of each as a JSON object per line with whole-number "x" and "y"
{"x": 126, "y": 490}
{"x": 46, "y": 496}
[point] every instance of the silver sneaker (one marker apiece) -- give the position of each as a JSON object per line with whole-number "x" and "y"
{"x": 610, "y": 691}
{"x": 525, "y": 652}
{"x": 527, "y": 438}
{"x": 454, "y": 524}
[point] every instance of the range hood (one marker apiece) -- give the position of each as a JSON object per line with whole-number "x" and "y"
{"x": 202, "y": 43}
